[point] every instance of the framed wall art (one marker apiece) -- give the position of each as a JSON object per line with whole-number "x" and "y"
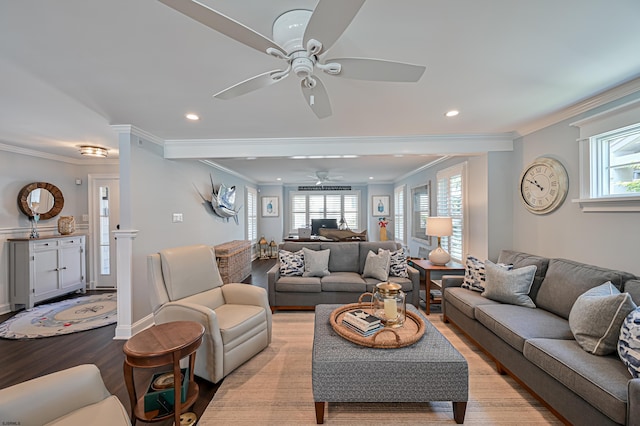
{"x": 270, "y": 206}
{"x": 380, "y": 205}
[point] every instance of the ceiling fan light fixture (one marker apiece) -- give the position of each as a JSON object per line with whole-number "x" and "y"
{"x": 93, "y": 151}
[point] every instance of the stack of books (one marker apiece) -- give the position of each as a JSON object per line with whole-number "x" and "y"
{"x": 362, "y": 322}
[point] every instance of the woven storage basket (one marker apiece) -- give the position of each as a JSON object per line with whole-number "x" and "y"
{"x": 234, "y": 260}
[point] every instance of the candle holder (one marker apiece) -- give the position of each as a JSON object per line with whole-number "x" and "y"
{"x": 389, "y": 304}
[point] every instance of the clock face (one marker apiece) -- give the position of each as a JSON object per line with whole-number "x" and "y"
{"x": 543, "y": 185}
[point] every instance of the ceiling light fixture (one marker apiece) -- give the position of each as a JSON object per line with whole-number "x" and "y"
{"x": 452, "y": 113}
{"x": 192, "y": 117}
{"x": 93, "y": 151}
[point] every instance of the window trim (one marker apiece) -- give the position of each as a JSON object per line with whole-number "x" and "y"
{"x": 251, "y": 192}
{"x": 402, "y": 189}
{"x": 606, "y": 122}
{"x": 293, "y": 194}
{"x": 457, "y": 169}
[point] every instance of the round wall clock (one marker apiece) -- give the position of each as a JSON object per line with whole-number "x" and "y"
{"x": 543, "y": 185}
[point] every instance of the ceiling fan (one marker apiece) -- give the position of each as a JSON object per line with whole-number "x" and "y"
{"x": 300, "y": 38}
{"x": 323, "y": 176}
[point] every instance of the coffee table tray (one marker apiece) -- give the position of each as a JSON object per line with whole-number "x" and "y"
{"x": 387, "y": 338}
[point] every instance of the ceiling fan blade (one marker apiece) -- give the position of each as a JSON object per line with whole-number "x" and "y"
{"x": 378, "y": 70}
{"x": 222, "y": 23}
{"x": 317, "y": 98}
{"x": 248, "y": 85}
{"x": 329, "y": 20}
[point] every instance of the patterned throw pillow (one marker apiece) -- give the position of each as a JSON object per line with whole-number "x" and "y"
{"x": 474, "y": 273}
{"x": 629, "y": 343}
{"x": 291, "y": 263}
{"x": 398, "y": 264}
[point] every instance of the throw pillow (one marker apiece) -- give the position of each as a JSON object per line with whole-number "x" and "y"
{"x": 291, "y": 263}
{"x": 474, "y": 273}
{"x": 316, "y": 262}
{"x": 377, "y": 265}
{"x": 629, "y": 343}
{"x": 597, "y": 316}
{"x": 397, "y": 264}
{"x": 509, "y": 286}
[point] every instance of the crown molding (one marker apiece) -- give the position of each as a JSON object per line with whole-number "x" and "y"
{"x": 54, "y": 157}
{"x": 424, "y": 167}
{"x": 229, "y": 171}
{"x": 586, "y": 105}
{"x": 130, "y": 129}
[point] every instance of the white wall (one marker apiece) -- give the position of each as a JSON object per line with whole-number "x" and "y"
{"x": 18, "y": 170}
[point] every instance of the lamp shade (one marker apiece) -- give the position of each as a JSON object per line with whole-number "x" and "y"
{"x": 439, "y": 226}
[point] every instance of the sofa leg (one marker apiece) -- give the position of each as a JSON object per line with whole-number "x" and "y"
{"x": 319, "y": 412}
{"x": 500, "y": 369}
{"x": 445, "y": 319}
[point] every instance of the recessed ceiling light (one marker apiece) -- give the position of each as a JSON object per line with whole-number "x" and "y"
{"x": 452, "y": 113}
{"x": 278, "y": 178}
{"x": 350, "y": 156}
{"x": 192, "y": 117}
{"x": 251, "y": 158}
{"x": 298, "y": 157}
{"x": 370, "y": 177}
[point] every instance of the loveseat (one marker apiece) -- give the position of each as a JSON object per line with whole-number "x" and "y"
{"x": 345, "y": 281}
{"x": 538, "y": 347}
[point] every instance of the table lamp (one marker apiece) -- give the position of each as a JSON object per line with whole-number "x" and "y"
{"x": 439, "y": 227}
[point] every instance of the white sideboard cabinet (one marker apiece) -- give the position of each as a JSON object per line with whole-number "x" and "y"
{"x": 43, "y": 268}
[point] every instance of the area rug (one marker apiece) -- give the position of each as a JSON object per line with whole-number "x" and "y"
{"x": 67, "y": 316}
{"x": 274, "y": 388}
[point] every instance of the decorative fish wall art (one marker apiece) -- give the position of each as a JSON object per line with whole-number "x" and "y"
{"x": 222, "y": 201}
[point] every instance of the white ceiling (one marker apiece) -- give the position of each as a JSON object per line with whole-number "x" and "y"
{"x": 69, "y": 69}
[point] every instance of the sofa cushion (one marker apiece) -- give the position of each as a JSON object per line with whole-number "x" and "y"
{"x": 377, "y": 265}
{"x": 629, "y": 343}
{"x": 516, "y": 324}
{"x": 508, "y": 286}
{"x": 367, "y": 246}
{"x": 344, "y": 257}
{"x": 519, "y": 259}
{"x": 633, "y": 288}
{"x": 596, "y": 317}
{"x": 297, "y": 245}
{"x": 108, "y": 412}
{"x": 406, "y": 283}
{"x": 398, "y": 264}
{"x": 344, "y": 282}
{"x": 299, "y": 284}
{"x": 599, "y": 380}
{"x": 316, "y": 262}
{"x": 291, "y": 263}
{"x": 237, "y": 322}
{"x": 566, "y": 280}
{"x": 466, "y": 300}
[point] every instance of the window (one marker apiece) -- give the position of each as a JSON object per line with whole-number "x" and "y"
{"x": 252, "y": 214}
{"x": 450, "y": 202}
{"x": 305, "y": 207}
{"x": 610, "y": 160}
{"x": 615, "y": 163}
{"x": 421, "y": 210}
{"x": 399, "y": 214}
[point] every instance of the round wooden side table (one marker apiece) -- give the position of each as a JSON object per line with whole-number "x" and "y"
{"x": 158, "y": 345}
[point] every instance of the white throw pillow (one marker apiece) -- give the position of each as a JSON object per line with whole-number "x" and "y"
{"x": 316, "y": 262}
{"x": 475, "y": 275}
{"x": 377, "y": 265}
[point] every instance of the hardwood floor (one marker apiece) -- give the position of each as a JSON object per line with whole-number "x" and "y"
{"x": 26, "y": 359}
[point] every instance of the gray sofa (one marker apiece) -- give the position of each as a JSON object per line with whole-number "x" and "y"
{"x": 536, "y": 346}
{"x": 344, "y": 284}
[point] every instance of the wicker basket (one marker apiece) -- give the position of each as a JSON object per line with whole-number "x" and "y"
{"x": 234, "y": 260}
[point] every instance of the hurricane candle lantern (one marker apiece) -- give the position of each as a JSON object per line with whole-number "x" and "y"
{"x": 389, "y": 304}
{"x": 264, "y": 248}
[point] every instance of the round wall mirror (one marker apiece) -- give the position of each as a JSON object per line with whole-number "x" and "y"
{"x": 40, "y": 198}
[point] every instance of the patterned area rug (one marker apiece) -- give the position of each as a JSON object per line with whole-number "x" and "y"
{"x": 67, "y": 316}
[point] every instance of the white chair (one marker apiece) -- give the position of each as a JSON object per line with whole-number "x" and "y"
{"x": 186, "y": 286}
{"x": 75, "y": 396}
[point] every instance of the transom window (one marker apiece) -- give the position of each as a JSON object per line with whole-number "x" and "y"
{"x": 305, "y": 207}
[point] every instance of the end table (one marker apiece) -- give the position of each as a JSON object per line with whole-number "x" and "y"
{"x": 158, "y": 345}
{"x": 425, "y": 266}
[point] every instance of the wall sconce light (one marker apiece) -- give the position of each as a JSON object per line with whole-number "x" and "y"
{"x": 93, "y": 151}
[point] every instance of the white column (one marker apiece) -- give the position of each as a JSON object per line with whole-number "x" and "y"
{"x": 124, "y": 252}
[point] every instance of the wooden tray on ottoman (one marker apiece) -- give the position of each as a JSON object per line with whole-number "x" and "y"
{"x": 387, "y": 338}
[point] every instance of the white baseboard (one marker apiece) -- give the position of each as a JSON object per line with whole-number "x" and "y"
{"x": 5, "y": 308}
{"x": 125, "y": 332}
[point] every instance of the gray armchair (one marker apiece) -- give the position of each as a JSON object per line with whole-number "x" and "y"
{"x": 186, "y": 286}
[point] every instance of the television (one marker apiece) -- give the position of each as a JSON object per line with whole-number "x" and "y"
{"x": 316, "y": 224}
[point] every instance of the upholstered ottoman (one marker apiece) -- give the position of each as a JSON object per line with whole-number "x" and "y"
{"x": 429, "y": 370}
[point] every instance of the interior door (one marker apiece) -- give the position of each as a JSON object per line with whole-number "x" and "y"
{"x": 105, "y": 217}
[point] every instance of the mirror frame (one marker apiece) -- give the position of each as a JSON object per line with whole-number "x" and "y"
{"x": 58, "y": 199}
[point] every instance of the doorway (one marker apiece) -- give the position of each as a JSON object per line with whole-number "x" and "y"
{"x": 104, "y": 218}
